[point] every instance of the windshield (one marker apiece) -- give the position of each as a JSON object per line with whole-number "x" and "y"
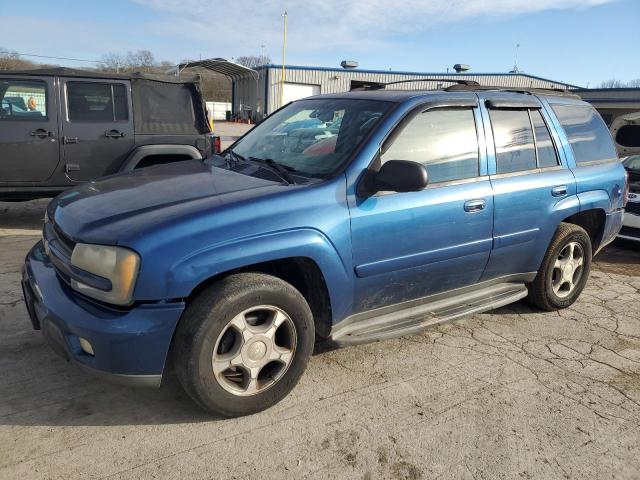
{"x": 313, "y": 137}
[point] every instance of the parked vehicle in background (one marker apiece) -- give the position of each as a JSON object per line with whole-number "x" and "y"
{"x": 631, "y": 222}
{"x": 83, "y": 125}
{"x": 426, "y": 206}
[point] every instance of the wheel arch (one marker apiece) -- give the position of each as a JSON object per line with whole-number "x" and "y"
{"x": 139, "y": 154}
{"x": 304, "y": 257}
{"x": 303, "y": 273}
{"x": 593, "y": 222}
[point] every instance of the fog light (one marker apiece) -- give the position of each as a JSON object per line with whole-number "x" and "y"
{"x": 86, "y": 346}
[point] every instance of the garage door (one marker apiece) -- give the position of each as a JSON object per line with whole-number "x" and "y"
{"x": 296, "y": 91}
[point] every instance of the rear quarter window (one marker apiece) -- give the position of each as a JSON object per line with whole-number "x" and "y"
{"x": 587, "y": 133}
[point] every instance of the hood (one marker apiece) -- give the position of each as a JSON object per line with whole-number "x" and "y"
{"x": 114, "y": 208}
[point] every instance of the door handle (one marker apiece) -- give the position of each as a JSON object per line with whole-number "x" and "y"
{"x": 41, "y": 133}
{"x": 114, "y": 134}
{"x": 68, "y": 140}
{"x": 559, "y": 191}
{"x": 474, "y": 205}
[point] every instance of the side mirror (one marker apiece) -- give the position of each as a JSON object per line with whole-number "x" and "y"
{"x": 400, "y": 176}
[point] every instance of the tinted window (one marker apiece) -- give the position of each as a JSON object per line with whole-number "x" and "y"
{"x": 547, "y": 156}
{"x": 513, "y": 139}
{"x": 588, "y": 135}
{"x": 96, "y": 102}
{"x": 23, "y": 100}
{"x": 444, "y": 141}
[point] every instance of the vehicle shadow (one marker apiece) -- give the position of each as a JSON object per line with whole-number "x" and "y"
{"x": 23, "y": 215}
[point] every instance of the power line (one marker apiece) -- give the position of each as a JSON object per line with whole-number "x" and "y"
{"x": 55, "y": 58}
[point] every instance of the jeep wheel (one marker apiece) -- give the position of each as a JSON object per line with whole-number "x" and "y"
{"x": 564, "y": 271}
{"x": 243, "y": 344}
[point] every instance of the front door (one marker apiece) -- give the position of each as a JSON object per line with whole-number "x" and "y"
{"x": 410, "y": 245}
{"x": 97, "y": 127}
{"x": 29, "y": 149}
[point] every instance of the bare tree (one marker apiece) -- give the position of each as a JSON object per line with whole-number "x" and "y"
{"x": 140, "y": 61}
{"x": 614, "y": 83}
{"x": 113, "y": 62}
{"x": 10, "y": 60}
{"x": 253, "y": 61}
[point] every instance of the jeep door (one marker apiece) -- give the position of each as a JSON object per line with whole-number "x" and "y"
{"x": 414, "y": 244}
{"x": 97, "y": 126}
{"x": 533, "y": 189}
{"x": 29, "y": 150}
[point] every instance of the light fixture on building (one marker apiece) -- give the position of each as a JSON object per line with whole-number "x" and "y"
{"x": 349, "y": 64}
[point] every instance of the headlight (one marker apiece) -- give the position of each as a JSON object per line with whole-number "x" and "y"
{"x": 116, "y": 264}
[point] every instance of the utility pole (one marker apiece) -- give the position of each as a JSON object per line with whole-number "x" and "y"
{"x": 262, "y": 54}
{"x": 284, "y": 55}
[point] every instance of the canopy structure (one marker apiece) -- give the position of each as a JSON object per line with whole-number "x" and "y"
{"x": 218, "y": 65}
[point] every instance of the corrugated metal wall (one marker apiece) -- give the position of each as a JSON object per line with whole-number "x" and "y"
{"x": 251, "y": 94}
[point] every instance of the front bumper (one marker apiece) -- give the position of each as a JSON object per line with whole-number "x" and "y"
{"x": 630, "y": 226}
{"x": 129, "y": 346}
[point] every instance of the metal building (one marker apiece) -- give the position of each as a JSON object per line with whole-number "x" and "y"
{"x": 254, "y": 96}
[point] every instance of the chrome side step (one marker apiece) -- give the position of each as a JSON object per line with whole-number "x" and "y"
{"x": 411, "y": 317}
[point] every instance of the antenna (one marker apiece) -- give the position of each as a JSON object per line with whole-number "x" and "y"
{"x": 515, "y": 61}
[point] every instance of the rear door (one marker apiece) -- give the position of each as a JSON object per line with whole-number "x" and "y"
{"x": 29, "y": 150}
{"x": 532, "y": 184}
{"x": 97, "y": 126}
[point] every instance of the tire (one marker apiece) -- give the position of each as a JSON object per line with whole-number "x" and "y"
{"x": 552, "y": 289}
{"x": 231, "y": 323}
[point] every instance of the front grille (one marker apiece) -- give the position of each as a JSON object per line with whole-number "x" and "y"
{"x": 60, "y": 247}
{"x": 630, "y": 232}
{"x": 64, "y": 239}
{"x": 633, "y": 207}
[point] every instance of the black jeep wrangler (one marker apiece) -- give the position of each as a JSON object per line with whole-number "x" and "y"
{"x": 59, "y": 127}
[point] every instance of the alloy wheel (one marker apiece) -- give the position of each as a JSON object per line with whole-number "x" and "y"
{"x": 254, "y": 350}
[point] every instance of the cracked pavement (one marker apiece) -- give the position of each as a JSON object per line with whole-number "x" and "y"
{"x": 512, "y": 393}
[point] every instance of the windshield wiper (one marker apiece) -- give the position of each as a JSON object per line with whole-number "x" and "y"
{"x": 235, "y": 156}
{"x": 275, "y": 167}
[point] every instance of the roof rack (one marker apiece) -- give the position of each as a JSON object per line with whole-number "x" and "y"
{"x": 381, "y": 86}
{"x": 528, "y": 91}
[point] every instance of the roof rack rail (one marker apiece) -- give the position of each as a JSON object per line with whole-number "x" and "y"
{"x": 529, "y": 91}
{"x": 381, "y": 86}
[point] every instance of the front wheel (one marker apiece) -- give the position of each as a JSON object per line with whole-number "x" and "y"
{"x": 565, "y": 269}
{"x": 243, "y": 344}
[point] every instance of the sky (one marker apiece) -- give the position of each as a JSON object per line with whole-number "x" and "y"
{"x": 581, "y": 42}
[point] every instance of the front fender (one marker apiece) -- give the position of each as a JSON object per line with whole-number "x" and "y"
{"x": 190, "y": 271}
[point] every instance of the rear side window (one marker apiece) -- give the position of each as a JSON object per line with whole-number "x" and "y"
{"x": 445, "y": 141}
{"x": 588, "y": 135}
{"x": 23, "y": 100}
{"x": 513, "y": 138}
{"x": 96, "y": 102}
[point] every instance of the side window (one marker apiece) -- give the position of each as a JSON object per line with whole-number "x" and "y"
{"x": 588, "y": 135}
{"x": 513, "y": 139}
{"x": 23, "y": 100}
{"x": 96, "y": 102}
{"x": 445, "y": 141}
{"x": 547, "y": 156}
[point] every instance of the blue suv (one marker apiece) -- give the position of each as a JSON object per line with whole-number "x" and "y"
{"x": 344, "y": 219}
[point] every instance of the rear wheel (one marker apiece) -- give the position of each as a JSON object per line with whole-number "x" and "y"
{"x": 564, "y": 271}
{"x": 243, "y": 344}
